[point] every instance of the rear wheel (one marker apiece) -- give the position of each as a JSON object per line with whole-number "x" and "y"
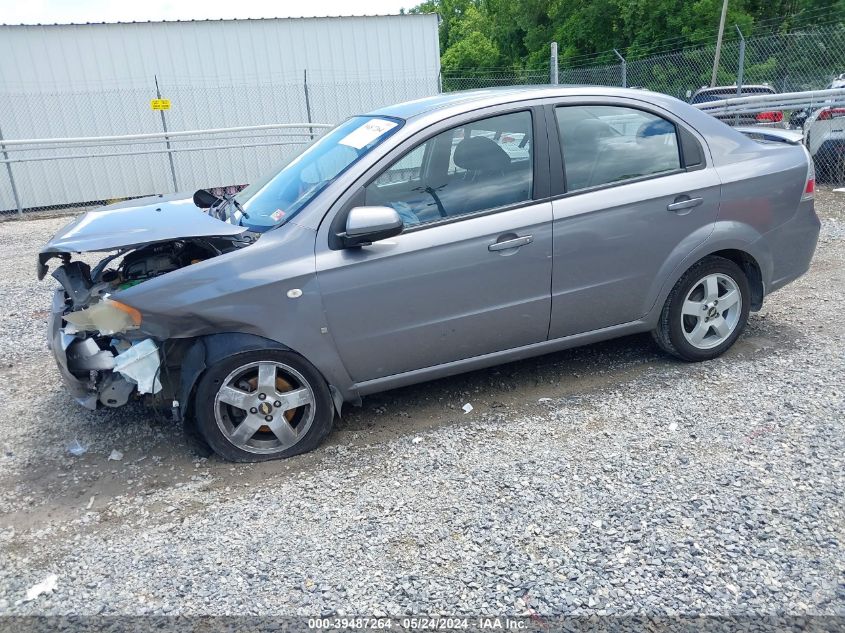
{"x": 263, "y": 405}
{"x": 706, "y": 311}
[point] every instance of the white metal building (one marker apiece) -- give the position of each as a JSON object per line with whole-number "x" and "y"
{"x": 98, "y": 79}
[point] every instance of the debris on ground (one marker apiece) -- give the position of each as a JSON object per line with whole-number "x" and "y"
{"x": 48, "y": 585}
{"x": 115, "y": 456}
{"x": 76, "y": 449}
{"x": 467, "y": 407}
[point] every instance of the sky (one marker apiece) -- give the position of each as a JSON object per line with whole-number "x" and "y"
{"x": 67, "y": 11}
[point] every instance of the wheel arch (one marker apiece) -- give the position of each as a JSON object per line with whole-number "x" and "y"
{"x": 209, "y": 349}
{"x": 752, "y": 271}
{"x": 736, "y": 241}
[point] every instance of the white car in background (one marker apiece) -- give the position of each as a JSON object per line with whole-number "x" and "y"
{"x": 824, "y": 136}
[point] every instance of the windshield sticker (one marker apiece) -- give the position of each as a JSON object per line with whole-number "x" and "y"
{"x": 277, "y": 215}
{"x": 367, "y": 133}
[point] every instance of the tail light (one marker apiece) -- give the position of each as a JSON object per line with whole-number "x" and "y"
{"x": 810, "y": 189}
{"x": 770, "y": 117}
{"x": 810, "y": 185}
{"x": 831, "y": 113}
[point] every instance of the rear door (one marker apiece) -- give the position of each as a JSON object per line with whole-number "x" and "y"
{"x": 636, "y": 194}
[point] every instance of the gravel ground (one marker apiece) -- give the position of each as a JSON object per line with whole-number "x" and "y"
{"x": 608, "y": 479}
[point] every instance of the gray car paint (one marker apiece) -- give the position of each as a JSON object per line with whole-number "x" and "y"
{"x": 435, "y": 301}
{"x": 134, "y": 223}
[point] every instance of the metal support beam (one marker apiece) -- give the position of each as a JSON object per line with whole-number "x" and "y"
{"x": 553, "y": 68}
{"x": 307, "y": 103}
{"x": 166, "y": 139}
{"x": 624, "y": 68}
{"x": 11, "y": 175}
{"x": 740, "y": 71}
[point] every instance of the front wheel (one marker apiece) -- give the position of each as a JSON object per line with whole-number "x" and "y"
{"x": 705, "y": 312}
{"x": 263, "y": 405}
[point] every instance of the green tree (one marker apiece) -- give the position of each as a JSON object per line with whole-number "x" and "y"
{"x": 480, "y": 34}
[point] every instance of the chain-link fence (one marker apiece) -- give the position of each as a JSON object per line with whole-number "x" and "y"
{"x": 75, "y": 174}
{"x": 70, "y": 175}
{"x": 804, "y": 60}
{"x": 809, "y": 59}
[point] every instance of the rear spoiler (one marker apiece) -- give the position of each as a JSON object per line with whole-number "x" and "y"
{"x": 775, "y": 135}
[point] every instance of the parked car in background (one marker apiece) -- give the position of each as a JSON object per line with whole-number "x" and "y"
{"x": 823, "y": 127}
{"x": 799, "y": 117}
{"x": 423, "y": 240}
{"x": 771, "y": 118}
{"x": 824, "y": 136}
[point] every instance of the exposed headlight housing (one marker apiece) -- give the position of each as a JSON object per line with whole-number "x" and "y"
{"x": 106, "y": 317}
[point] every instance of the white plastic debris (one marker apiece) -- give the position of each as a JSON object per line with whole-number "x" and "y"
{"x": 544, "y": 400}
{"x": 91, "y": 502}
{"x": 839, "y": 190}
{"x": 417, "y": 440}
{"x": 597, "y": 523}
{"x": 140, "y": 364}
{"x": 673, "y": 427}
{"x": 76, "y": 449}
{"x": 115, "y": 455}
{"x": 48, "y": 585}
{"x": 467, "y": 407}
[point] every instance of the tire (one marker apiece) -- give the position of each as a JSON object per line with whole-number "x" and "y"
{"x": 263, "y": 405}
{"x": 696, "y": 324}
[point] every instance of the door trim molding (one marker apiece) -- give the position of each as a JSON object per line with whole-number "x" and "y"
{"x": 497, "y": 358}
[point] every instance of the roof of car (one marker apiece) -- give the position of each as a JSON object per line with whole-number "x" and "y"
{"x": 492, "y": 96}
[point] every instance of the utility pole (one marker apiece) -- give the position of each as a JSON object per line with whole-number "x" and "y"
{"x": 553, "y": 68}
{"x": 719, "y": 43}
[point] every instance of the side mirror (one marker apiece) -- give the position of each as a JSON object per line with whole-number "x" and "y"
{"x": 204, "y": 199}
{"x": 365, "y": 225}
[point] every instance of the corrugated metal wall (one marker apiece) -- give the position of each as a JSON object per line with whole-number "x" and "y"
{"x": 98, "y": 79}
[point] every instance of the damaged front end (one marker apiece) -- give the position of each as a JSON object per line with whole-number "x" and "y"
{"x": 101, "y": 366}
{"x": 102, "y": 353}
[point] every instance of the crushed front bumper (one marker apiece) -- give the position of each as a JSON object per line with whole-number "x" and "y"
{"x": 101, "y": 376}
{"x": 84, "y": 392}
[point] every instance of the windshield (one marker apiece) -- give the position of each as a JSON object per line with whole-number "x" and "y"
{"x": 280, "y": 195}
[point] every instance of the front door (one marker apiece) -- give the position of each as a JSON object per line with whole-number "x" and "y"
{"x": 469, "y": 275}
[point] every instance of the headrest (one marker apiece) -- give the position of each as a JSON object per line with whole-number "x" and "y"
{"x": 587, "y": 131}
{"x": 479, "y": 153}
{"x": 658, "y": 127}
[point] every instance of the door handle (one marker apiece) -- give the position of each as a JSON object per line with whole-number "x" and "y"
{"x": 514, "y": 243}
{"x": 685, "y": 202}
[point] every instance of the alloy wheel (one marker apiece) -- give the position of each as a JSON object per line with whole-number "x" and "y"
{"x": 711, "y": 311}
{"x": 264, "y": 407}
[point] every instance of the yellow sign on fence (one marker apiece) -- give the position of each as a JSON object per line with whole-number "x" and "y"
{"x": 160, "y": 104}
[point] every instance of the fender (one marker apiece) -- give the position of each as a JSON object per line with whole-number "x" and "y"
{"x": 725, "y": 235}
{"x": 210, "y": 349}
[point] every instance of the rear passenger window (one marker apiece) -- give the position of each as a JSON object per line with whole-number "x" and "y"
{"x": 474, "y": 167}
{"x": 607, "y": 144}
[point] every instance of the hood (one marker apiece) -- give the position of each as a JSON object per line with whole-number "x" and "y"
{"x": 135, "y": 223}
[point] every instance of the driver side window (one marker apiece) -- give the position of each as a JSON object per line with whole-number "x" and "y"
{"x": 474, "y": 167}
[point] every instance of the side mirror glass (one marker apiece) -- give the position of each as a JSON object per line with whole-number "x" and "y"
{"x": 204, "y": 199}
{"x": 365, "y": 225}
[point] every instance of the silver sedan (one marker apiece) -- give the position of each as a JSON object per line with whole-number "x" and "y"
{"x": 423, "y": 240}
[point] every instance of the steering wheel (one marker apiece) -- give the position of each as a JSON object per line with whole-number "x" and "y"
{"x": 433, "y": 193}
